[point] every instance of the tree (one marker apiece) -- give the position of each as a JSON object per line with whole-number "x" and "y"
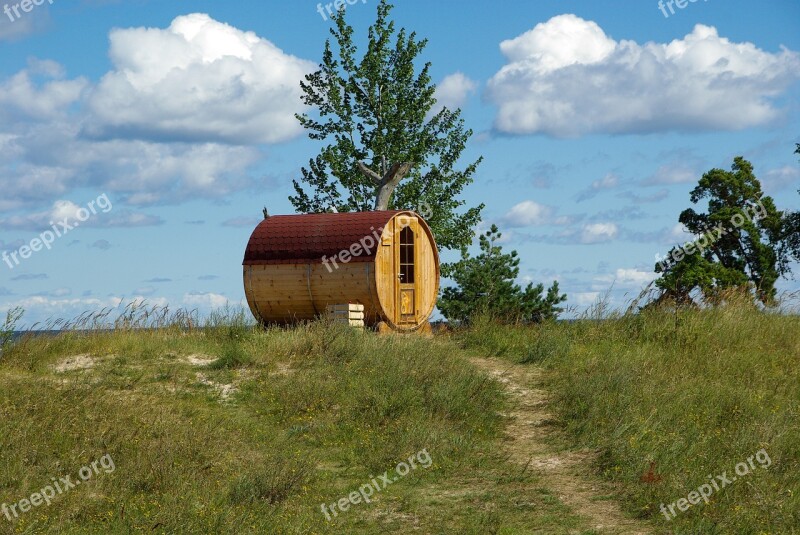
{"x": 385, "y": 149}
{"x": 791, "y": 235}
{"x": 739, "y": 240}
{"x": 485, "y": 284}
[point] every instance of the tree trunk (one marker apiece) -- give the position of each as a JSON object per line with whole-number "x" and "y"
{"x": 387, "y": 183}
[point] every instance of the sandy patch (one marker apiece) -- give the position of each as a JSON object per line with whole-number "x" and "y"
{"x": 199, "y": 360}
{"x": 224, "y": 391}
{"x": 75, "y": 362}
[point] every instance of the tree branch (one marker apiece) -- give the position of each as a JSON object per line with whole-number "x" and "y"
{"x": 369, "y": 173}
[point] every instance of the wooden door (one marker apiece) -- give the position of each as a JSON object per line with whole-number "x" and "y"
{"x": 406, "y": 270}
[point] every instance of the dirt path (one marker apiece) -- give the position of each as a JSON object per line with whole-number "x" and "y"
{"x": 566, "y": 473}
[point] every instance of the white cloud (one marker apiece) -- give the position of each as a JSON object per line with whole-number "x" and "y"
{"x": 60, "y": 292}
{"x": 20, "y": 96}
{"x": 179, "y": 117}
{"x": 452, "y": 92}
{"x": 63, "y": 210}
{"x": 528, "y": 213}
{"x": 678, "y": 233}
{"x": 610, "y": 181}
{"x": 625, "y": 278}
{"x": 599, "y": 233}
{"x": 584, "y": 298}
{"x": 634, "y": 277}
{"x": 45, "y": 159}
{"x": 198, "y": 80}
{"x": 567, "y": 78}
{"x": 41, "y": 308}
{"x": 205, "y": 301}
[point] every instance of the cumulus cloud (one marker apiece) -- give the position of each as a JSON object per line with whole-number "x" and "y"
{"x": 452, "y": 92}
{"x": 198, "y": 80}
{"x": 567, "y": 78}
{"x": 180, "y": 116}
{"x": 21, "y": 97}
{"x": 599, "y": 233}
{"x": 528, "y": 213}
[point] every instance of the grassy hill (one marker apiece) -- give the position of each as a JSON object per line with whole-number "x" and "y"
{"x": 232, "y": 429}
{"x": 226, "y": 428}
{"x": 673, "y": 400}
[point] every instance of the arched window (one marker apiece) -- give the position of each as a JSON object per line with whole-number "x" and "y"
{"x": 407, "y": 256}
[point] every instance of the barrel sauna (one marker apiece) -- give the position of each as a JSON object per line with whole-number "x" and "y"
{"x": 296, "y": 265}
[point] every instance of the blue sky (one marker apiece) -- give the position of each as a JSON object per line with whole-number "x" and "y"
{"x": 595, "y": 122}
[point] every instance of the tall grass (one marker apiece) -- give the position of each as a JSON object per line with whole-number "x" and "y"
{"x": 312, "y": 412}
{"x": 9, "y": 325}
{"x": 690, "y": 393}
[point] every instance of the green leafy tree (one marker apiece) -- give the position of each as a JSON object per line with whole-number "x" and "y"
{"x": 791, "y": 237}
{"x": 485, "y": 284}
{"x": 385, "y": 148}
{"x": 744, "y": 230}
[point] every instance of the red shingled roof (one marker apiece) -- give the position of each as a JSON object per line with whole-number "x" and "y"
{"x": 289, "y": 239}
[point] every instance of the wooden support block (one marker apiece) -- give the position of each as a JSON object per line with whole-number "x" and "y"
{"x": 346, "y": 315}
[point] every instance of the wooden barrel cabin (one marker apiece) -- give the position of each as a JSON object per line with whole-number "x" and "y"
{"x": 296, "y": 265}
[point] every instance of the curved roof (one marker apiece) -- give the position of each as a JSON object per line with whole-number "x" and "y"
{"x": 306, "y": 238}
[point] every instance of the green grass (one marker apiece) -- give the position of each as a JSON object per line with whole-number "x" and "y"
{"x": 694, "y": 392}
{"x": 311, "y": 414}
{"x": 221, "y": 427}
